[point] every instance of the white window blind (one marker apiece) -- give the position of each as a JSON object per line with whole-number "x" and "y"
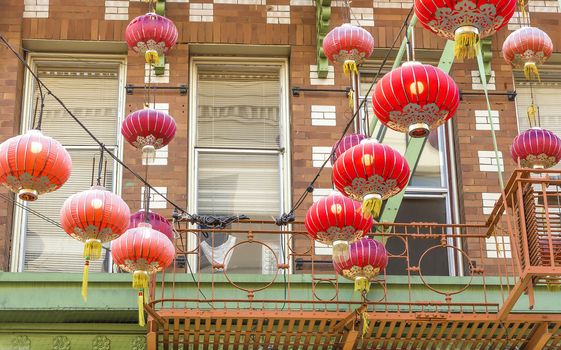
{"x": 91, "y": 91}
{"x": 238, "y": 140}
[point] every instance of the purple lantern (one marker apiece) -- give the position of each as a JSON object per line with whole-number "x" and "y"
{"x": 348, "y": 141}
{"x": 362, "y": 263}
{"x": 158, "y": 222}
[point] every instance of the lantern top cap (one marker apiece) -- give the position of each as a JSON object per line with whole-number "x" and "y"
{"x": 144, "y": 225}
{"x": 368, "y": 140}
{"x": 411, "y": 63}
{"x": 34, "y": 132}
{"x": 98, "y": 187}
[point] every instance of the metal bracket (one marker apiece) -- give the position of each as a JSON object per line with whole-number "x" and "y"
{"x": 182, "y": 88}
{"x": 323, "y": 15}
{"x": 510, "y": 94}
{"x": 297, "y": 90}
{"x": 487, "y": 56}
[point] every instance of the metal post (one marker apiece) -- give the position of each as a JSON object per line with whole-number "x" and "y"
{"x": 356, "y": 103}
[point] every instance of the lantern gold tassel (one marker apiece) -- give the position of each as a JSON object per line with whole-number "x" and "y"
{"x": 371, "y": 205}
{"x": 522, "y": 5}
{"x": 532, "y": 112}
{"x": 362, "y": 284}
{"x": 553, "y": 284}
{"x": 140, "y": 279}
{"x": 92, "y": 249}
{"x": 364, "y": 316}
{"x": 351, "y": 99}
{"x": 149, "y": 152}
{"x": 350, "y": 67}
{"x": 85, "y": 280}
{"x": 140, "y": 301}
{"x": 151, "y": 57}
{"x": 467, "y": 42}
{"x": 531, "y": 70}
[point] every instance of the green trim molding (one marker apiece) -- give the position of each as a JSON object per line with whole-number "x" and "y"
{"x": 323, "y": 15}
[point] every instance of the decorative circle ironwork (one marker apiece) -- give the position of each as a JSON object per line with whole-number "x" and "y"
{"x": 251, "y": 291}
{"x": 334, "y": 287}
{"x": 398, "y": 238}
{"x": 295, "y": 253}
{"x": 446, "y": 293}
{"x": 382, "y": 283}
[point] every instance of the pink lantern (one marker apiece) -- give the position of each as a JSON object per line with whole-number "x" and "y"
{"x": 536, "y": 148}
{"x": 158, "y": 222}
{"x": 527, "y": 48}
{"x": 347, "y": 142}
{"x": 152, "y": 35}
{"x": 148, "y": 129}
{"x": 348, "y": 44}
{"x": 362, "y": 263}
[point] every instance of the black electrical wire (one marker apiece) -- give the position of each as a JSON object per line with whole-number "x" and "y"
{"x": 30, "y": 210}
{"x": 289, "y": 217}
{"x": 109, "y": 152}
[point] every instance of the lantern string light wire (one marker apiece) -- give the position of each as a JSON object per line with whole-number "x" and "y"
{"x": 286, "y": 218}
{"x": 77, "y": 120}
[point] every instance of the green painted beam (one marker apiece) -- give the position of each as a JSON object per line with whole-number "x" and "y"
{"x": 416, "y": 145}
{"x": 397, "y": 62}
{"x": 323, "y": 16}
{"x": 160, "y": 7}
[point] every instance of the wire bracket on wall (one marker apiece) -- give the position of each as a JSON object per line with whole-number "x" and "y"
{"x": 296, "y": 91}
{"x": 511, "y": 95}
{"x": 182, "y": 88}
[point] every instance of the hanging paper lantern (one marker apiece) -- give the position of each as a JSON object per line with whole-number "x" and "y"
{"x": 348, "y": 141}
{"x": 348, "y": 44}
{"x": 94, "y": 216}
{"x": 158, "y": 222}
{"x": 415, "y": 98}
{"x": 142, "y": 251}
{"x": 370, "y": 172}
{"x": 152, "y": 35}
{"x": 536, "y": 148}
{"x": 336, "y": 220}
{"x": 33, "y": 164}
{"x": 363, "y": 261}
{"x": 148, "y": 129}
{"x": 465, "y": 21}
{"x": 527, "y": 48}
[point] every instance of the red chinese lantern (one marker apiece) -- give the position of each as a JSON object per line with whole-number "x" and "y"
{"x": 348, "y": 44}
{"x": 362, "y": 262}
{"x": 348, "y": 141}
{"x": 527, "y": 48}
{"x": 415, "y": 98}
{"x": 371, "y": 172}
{"x": 152, "y": 35}
{"x": 148, "y": 129}
{"x": 33, "y": 164}
{"x": 336, "y": 220}
{"x": 158, "y": 222}
{"x": 466, "y": 22}
{"x": 94, "y": 216}
{"x": 142, "y": 251}
{"x": 536, "y": 148}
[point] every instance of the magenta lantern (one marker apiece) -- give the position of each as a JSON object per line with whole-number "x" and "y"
{"x": 348, "y": 141}
{"x": 536, "y": 148}
{"x": 362, "y": 263}
{"x": 158, "y": 222}
{"x": 152, "y": 35}
{"x": 148, "y": 129}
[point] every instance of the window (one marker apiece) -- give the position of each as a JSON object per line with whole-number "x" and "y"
{"x": 428, "y": 198}
{"x": 239, "y": 165}
{"x": 92, "y": 89}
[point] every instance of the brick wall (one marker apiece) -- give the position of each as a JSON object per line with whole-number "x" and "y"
{"x": 270, "y": 22}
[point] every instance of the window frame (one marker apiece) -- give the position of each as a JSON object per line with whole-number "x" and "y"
{"x": 19, "y": 217}
{"x": 284, "y": 151}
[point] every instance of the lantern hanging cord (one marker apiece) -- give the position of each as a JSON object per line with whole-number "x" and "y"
{"x": 289, "y": 217}
{"x": 108, "y": 151}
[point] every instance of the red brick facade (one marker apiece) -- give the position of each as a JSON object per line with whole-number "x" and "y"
{"x": 79, "y": 20}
